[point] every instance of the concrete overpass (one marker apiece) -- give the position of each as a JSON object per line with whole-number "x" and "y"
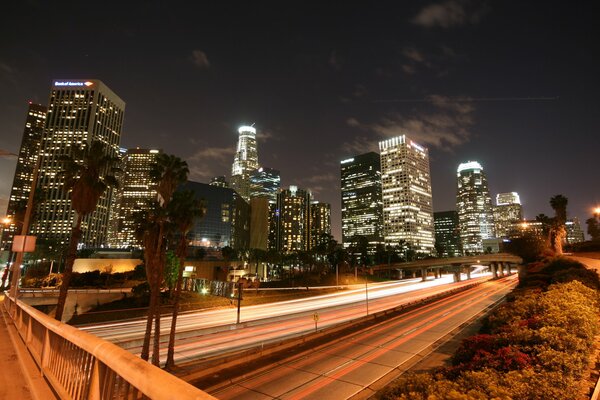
{"x": 499, "y": 263}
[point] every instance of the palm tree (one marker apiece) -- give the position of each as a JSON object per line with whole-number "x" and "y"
{"x": 87, "y": 172}
{"x": 184, "y": 210}
{"x": 558, "y": 231}
{"x": 168, "y": 172}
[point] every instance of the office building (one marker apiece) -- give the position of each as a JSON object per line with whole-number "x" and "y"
{"x": 362, "y": 204}
{"x": 135, "y": 193}
{"x": 320, "y": 224}
{"x": 265, "y": 182}
{"x": 292, "y": 217}
{"x": 474, "y": 206}
{"x": 447, "y": 234}
{"x": 245, "y": 161}
{"x": 574, "y": 231}
{"x": 26, "y": 163}
{"x": 219, "y": 181}
{"x": 507, "y": 210}
{"x": 406, "y": 193}
{"x": 79, "y": 112}
{"x": 227, "y": 218}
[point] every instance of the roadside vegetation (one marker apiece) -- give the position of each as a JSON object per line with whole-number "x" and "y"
{"x": 536, "y": 346}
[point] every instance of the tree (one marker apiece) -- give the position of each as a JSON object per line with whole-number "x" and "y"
{"x": 87, "y": 172}
{"x": 558, "y": 232}
{"x": 184, "y": 209}
{"x": 168, "y": 172}
{"x": 593, "y": 228}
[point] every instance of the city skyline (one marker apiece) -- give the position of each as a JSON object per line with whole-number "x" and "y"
{"x": 318, "y": 102}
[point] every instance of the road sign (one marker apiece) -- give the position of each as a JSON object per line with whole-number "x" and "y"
{"x": 316, "y": 316}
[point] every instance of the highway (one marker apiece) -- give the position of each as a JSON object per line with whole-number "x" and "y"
{"x": 351, "y": 365}
{"x": 208, "y": 333}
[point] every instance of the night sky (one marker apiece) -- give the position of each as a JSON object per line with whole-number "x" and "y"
{"x": 511, "y": 84}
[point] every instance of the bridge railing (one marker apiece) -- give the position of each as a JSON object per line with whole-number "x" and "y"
{"x": 79, "y": 365}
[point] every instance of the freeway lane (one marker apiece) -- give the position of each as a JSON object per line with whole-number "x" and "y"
{"x": 381, "y": 296}
{"x": 344, "y": 369}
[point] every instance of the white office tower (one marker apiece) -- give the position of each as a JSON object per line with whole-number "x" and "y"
{"x": 507, "y": 211}
{"x": 474, "y": 207}
{"x": 80, "y": 111}
{"x": 406, "y": 191}
{"x": 244, "y": 162}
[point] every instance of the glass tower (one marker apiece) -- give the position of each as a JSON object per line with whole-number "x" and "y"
{"x": 447, "y": 235}
{"x": 79, "y": 112}
{"x": 362, "y": 205}
{"x": 135, "y": 192}
{"x": 474, "y": 206}
{"x": 265, "y": 182}
{"x": 508, "y": 210}
{"x": 28, "y": 158}
{"x": 245, "y": 161}
{"x": 406, "y": 191}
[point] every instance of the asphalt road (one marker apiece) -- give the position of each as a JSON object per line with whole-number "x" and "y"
{"x": 198, "y": 337}
{"x": 349, "y": 366}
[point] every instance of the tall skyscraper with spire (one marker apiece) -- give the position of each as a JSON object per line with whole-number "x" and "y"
{"x": 406, "y": 191}
{"x": 474, "y": 206}
{"x": 245, "y": 161}
{"x": 79, "y": 112}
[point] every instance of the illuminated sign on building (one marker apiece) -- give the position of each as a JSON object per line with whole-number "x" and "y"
{"x": 70, "y": 83}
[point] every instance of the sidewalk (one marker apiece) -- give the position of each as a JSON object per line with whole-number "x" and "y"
{"x": 19, "y": 377}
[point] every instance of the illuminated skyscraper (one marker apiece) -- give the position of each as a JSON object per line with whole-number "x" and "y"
{"x": 293, "y": 219}
{"x": 134, "y": 194}
{"x": 265, "y": 182}
{"x": 447, "y": 235}
{"x": 219, "y": 181}
{"x": 406, "y": 191}
{"x": 474, "y": 206}
{"x": 245, "y": 161}
{"x": 28, "y": 157}
{"x": 508, "y": 210}
{"x": 362, "y": 205}
{"x": 574, "y": 231}
{"x": 79, "y": 112}
{"x": 320, "y": 223}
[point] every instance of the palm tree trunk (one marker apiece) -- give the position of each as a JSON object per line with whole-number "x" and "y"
{"x": 171, "y": 350}
{"x": 68, "y": 272}
{"x": 146, "y": 345}
{"x": 156, "y": 343}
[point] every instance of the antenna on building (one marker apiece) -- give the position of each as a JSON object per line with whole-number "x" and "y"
{"x": 253, "y": 124}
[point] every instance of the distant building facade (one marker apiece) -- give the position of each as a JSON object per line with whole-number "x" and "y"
{"x": 227, "y": 218}
{"x": 27, "y": 160}
{"x": 362, "y": 203}
{"x": 406, "y": 192}
{"x": 508, "y": 209}
{"x": 245, "y": 161}
{"x": 447, "y": 234}
{"x": 474, "y": 206}
{"x": 79, "y": 112}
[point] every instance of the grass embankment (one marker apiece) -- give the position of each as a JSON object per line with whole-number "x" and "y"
{"x": 135, "y": 307}
{"x": 538, "y": 345}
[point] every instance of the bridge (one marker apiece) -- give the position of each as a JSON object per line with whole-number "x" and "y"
{"x": 78, "y": 365}
{"x": 499, "y": 264}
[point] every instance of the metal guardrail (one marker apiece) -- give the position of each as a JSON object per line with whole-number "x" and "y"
{"x": 79, "y": 365}
{"x": 46, "y": 292}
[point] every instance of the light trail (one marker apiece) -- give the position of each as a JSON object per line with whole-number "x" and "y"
{"x": 351, "y": 364}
